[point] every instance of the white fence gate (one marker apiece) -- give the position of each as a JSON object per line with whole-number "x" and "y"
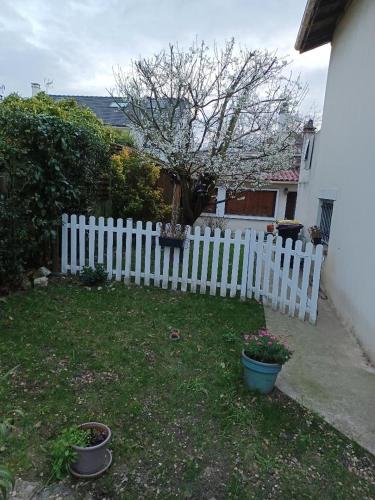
{"x": 245, "y": 264}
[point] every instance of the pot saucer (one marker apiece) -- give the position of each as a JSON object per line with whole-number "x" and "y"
{"x": 108, "y": 463}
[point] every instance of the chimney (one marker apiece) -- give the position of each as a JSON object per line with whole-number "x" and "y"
{"x": 35, "y": 89}
{"x": 283, "y": 116}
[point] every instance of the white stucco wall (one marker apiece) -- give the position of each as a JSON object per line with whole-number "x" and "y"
{"x": 343, "y": 168}
{"x": 260, "y": 224}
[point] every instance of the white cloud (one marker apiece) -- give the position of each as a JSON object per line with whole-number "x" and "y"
{"x": 77, "y": 42}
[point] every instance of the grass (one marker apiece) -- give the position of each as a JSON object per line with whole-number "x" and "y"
{"x": 183, "y": 424}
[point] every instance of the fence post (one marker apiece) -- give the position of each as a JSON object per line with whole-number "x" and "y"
{"x": 259, "y": 265}
{"x": 185, "y": 261}
{"x": 148, "y": 253}
{"x": 73, "y": 244}
{"x": 138, "y": 252}
{"x": 82, "y": 241}
{"x": 215, "y": 261}
{"x": 225, "y": 263}
{"x": 276, "y": 272}
{"x": 318, "y": 258}
{"x": 250, "y": 266}
{"x": 119, "y": 231}
{"x": 305, "y": 281}
{"x": 110, "y": 248}
{"x": 295, "y": 276}
{"x": 64, "y": 244}
{"x": 101, "y": 240}
{"x": 128, "y": 250}
{"x": 92, "y": 241}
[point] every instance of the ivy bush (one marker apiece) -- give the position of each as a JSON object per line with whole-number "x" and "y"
{"x": 51, "y": 157}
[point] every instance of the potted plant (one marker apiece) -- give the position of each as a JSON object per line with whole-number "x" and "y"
{"x": 315, "y": 235}
{"x": 172, "y": 235}
{"x": 82, "y": 451}
{"x": 262, "y": 357}
{"x": 270, "y": 228}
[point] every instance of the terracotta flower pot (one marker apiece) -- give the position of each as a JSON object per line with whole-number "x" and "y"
{"x": 270, "y": 228}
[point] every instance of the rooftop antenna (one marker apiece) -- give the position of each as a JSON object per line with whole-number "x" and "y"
{"x": 47, "y": 84}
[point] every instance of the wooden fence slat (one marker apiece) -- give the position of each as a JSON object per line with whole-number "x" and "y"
{"x": 128, "y": 250}
{"x": 318, "y": 259}
{"x": 157, "y": 256}
{"x": 276, "y": 272}
{"x": 268, "y": 248}
{"x": 225, "y": 264}
{"x": 92, "y": 241}
{"x": 82, "y": 241}
{"x": 245, "y": 264}
{"x": 73, "y": 244}
{"x": 206, "y": 253}
{"x": 305, "y": 281}
{"x": 185, "y": 261}
{"x": 196, "y": 250}
{"x": 295, "y": 276}
{"x": 64, "y": 244}
{"x": 119, "y": 234}
{"x": 235, "y": 262}
{"x": 110, "y": 248}
{"x": 250, "y": 268}
{"x": 287, "y": 251}
{"x": 215, "y": 261}
{"x": 167, "y": 253}
{"x": 138, "y": 252}
{"x": 101, "y": 240}
{"x": 148, "y": 253}
{"x": 259, "y": 264}
{"x": 176, "y": 267}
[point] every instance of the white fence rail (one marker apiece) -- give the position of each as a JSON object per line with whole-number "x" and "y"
{"x": 244, "y": 264}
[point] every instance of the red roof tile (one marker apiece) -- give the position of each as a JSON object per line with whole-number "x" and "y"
{"x": 291, "y": 175}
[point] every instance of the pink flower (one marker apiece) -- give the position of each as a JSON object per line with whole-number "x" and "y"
{"x": 259, "y": 343}
{"x": 269, "y": 343}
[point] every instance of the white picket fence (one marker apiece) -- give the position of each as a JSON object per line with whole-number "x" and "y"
{"x": 244, "y": 264}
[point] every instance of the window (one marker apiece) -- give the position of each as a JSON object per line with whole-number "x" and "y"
{"x": 252, "y": 203}
{"x": 326, "y": 209}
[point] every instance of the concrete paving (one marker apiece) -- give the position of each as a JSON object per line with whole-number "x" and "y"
{"x": 328, "y": 373}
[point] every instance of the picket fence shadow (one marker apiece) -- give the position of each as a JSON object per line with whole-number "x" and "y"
{"x": 247, "y": 264}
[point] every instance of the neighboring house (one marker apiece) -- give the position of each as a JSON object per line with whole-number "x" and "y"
{"x": 337, "y": 177}
{"x": 105, "y": 108}
{"x": 257, "y": 209}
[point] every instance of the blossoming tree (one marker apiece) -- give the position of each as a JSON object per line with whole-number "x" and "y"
{"x": 212, "y": 117}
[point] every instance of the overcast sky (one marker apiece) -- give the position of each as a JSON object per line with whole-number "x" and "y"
{"x": 76, "y": 43}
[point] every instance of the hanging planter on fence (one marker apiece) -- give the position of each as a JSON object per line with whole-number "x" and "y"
{"x": 172, "y": 235}
{"x": 171, "y": 242}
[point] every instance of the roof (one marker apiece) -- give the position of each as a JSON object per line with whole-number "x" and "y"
{"x": 104, "y": 107}
{"x": 319, "y": 23}
{"x": 291, "y": 176}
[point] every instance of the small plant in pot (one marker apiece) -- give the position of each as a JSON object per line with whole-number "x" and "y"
{"x": 315, "y": 235}
{"x": 82, "y": 450}
{"x": 262, "y": 358}
{"x": 172, "y": 235}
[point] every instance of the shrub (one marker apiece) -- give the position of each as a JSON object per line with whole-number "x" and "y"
{"x": 266, "y": 348}
{"x": 51, "y": 157}
{"x": 92, "y": 277}
{"x": 134, "y": 190}
{"x": 62, "y": 452}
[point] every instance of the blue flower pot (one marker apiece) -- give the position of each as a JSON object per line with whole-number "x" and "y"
{"x": 259, "y": 376}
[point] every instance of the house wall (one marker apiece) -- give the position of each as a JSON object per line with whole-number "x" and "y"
{"x": 260, "y": 224}
{"x": 343, "y": 169}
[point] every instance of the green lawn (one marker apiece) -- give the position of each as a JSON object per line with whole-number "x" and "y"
{"x": 183, "y": 424}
